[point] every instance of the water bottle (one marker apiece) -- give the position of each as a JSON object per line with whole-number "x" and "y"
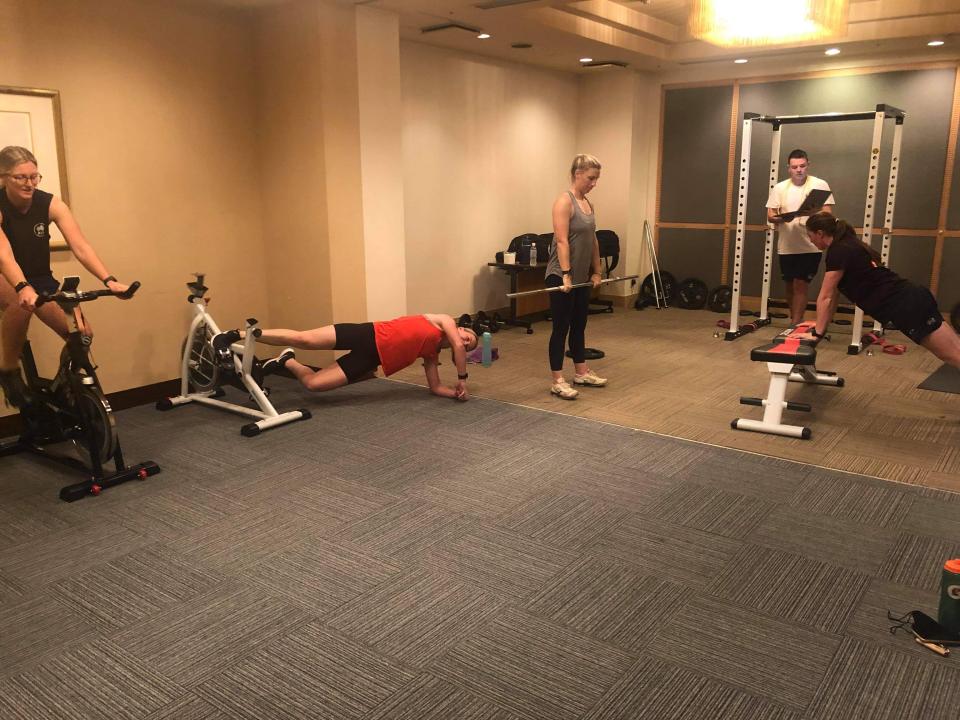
{"x": 948, "y": 614}
{"x": 533, "y": 253}
{"x": 486, "y": 356}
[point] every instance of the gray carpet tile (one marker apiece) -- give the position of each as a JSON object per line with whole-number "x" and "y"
{"x": 133, "y": 587}
{"x": 706, "y": 508}
{"x": 739, "y": 646}
{"x": 869, "y": 682}
{"x": 240, "y": 541}
{"x": 429, "y": 698}
{"x": 791, "y": 587}
{"x": 754, "y": 475}
{"x": 654, "y": 690}
{"x": 320, "y": 575}
{"x": 416, "y": 616}
{"x": 35, "y": 626}
{"x": 623, "y": 487}
{"x": 406, "y": 529}
{"x": 869, "y": 620}
{"x": 309, "y": 673}
{"x": 21, "y": 521}
{"x": 609, "y": 600}
{"x": 187, "y": 707}
{"x": 192, "y": 640}
{"x": 64, "y": 552}
{"x": 168, "y": 513}
{"x": 917, "y": 560}
{"x": 933, "y": 517}
{"x": 563, "y": 520}
{"x": 264, "y": 480}
{"x": 830, "y": 539}
{"x": 852, "y": 498}
{"x": 673, "y": 552}
{"x": 533, "y": 668}
{"x": 96, "y": 681}
{"x": 337, "y": 499}
{"x": 10, "y": 590}
{"x": 655, "y": 454}
{"x": 499, "y": 561}
{"x": 459, "y": 490}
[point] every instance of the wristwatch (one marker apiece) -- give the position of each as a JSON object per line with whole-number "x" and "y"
{"x": 566, "y": 272}
{"x": 20, "y": 286}
{"x": 108, "y": 279}
{"x": 463, "y": 377}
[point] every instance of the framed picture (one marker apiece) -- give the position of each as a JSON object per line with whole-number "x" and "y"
{"x": 30, "y": 118}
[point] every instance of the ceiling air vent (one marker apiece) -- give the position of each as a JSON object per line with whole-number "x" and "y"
{"x": 494, "y": 4}
{"x": 603, "y": 63}
{"x": 449, "y": 26}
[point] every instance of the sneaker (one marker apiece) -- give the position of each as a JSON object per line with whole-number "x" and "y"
{"x": 15, "y": 391}
{"x": 563, "y": 390}
{"x": 589, "y": 378}
{"x": 277, "y": 363}
{"x": 223, "y": 341}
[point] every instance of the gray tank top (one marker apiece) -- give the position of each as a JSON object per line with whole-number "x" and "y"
{"x": 582, "y": 234}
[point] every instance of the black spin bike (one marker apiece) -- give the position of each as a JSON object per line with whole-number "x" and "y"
{"x": 71, "y": 407}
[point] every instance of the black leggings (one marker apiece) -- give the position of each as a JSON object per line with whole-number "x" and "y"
{"x": 360, "y": 340}
{"x": 569, "y": 311}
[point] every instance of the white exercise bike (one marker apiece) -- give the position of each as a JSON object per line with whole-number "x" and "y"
{"x": 204, "y": 370}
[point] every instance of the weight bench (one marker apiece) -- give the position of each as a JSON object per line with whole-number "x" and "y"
{"x": 790, "y": 358}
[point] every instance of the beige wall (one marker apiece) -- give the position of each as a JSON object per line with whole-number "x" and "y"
{"x": 158, "y": 119}
{"x": 486, "y": 149}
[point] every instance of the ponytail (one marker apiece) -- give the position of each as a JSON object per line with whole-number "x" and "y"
{"x": 839, "y": 230}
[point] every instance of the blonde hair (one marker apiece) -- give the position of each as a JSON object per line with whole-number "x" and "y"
{"x": 583, "y": 162}
{"x": 13, "y": 155}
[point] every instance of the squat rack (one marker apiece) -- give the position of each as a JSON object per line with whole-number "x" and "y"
{"x": 882, "y": 112}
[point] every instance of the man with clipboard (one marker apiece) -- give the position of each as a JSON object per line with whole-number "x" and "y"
{"x": 788, "y": 206}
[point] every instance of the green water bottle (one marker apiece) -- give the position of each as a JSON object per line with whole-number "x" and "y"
{"x": 949, "y": 612}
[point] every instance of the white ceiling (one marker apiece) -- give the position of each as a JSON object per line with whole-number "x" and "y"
{"x": 649, "y": 34}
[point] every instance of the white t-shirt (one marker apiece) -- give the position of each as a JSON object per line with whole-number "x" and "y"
{"x": 789, "y": 197}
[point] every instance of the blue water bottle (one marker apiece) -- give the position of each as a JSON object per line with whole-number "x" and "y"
{"x": 486, "y": 356}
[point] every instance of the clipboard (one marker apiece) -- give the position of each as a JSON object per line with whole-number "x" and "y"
{"x": 815, "y": 199}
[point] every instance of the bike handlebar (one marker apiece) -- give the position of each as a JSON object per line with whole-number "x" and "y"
{"x": 86, "y": 295}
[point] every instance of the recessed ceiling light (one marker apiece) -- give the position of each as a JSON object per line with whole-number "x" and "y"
{"x": 741, "y": 61}
{"x": 935, "y": 43}
{"x": 586, "y": 59}
{"x": 483, "y": 36}
{"x": 832, "y": 51}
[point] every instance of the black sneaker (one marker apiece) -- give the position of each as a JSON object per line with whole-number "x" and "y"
{"x": 15, "y": 391}
{"x": 223, "y": 341}
{"x": 277, "y": 363}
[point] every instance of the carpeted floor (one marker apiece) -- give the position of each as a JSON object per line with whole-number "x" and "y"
{"x": 402, "y": 556}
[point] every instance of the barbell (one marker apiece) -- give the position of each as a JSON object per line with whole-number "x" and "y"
{"x": 577, "y": 285}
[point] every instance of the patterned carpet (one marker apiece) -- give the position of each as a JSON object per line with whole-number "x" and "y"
{"x": 405, "y": 557}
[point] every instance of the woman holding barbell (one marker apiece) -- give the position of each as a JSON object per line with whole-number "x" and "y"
{"x": 574, "y": 258}
{"x": 855, "y": 269}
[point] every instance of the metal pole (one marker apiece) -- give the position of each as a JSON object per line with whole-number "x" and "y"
{"x": 891, "y": 200}
{"x": 746, "y": 141}
{"x": 576, "y": 285}
{"x": 871, "y": 199}
{"x": 768, "y": 240}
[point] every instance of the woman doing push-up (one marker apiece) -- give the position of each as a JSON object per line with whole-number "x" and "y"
{"x": 392, "y": 344}
{"x": 855, "y": 269}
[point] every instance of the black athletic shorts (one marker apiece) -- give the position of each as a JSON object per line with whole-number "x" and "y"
{"x": 913, "y": 311}
{"x": 44, "y": 284}
{"x": 361, "y": 341}
{"x": 801, "y": 266}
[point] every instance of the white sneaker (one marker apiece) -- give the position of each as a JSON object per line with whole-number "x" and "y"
{"x": 562, "y": 389}
{"x": 589, "y": 378}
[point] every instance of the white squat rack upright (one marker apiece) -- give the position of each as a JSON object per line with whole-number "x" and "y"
{"x": 883, "y": 112}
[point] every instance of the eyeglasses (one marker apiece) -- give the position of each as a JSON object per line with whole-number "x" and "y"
{"x": 27, "y": 179}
